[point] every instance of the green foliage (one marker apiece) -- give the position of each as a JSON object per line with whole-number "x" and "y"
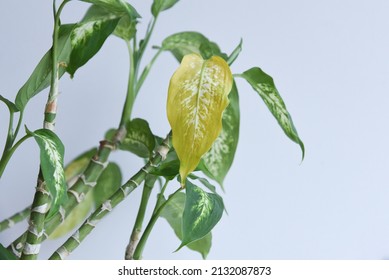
{"x": 172, "y": 212}
{"x": 201, "y": 213}
{"x": 263, "y": 84}
{"x": 183, "y": 43}
{"x": 138, "y": 140}
{"x": 51, "y": 157}
{"x": 41, "y": 76}
{"x": 203, "y": 110}
{"x": 217, "y": 161}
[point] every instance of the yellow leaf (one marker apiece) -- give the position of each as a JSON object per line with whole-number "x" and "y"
{"x": 198, "y": 95}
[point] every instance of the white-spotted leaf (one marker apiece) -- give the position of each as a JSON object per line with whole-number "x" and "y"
{"x": 263, "y": 84}
{"x": 88, "y": 37}
{"x": 116, "y": 6}
{"x": 197, "y": 98}
{"x": 218, "y": 160}
{"x": 172, "y": 212}
{"x": 51, "y": 158}
{"x": 201, "y": 213}
{"x": 183, "y": 43}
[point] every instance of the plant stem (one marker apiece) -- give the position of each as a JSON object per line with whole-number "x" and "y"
{"x": 142, "y": 242}
{"x": 72, "y": 243}
{"x": 137, "y": 229}
{"x": 41, "y": 202}
{"x": 16, "y": 218}
{"x": 8, "y": 154}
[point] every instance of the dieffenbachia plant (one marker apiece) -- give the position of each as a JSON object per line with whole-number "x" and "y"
{"x": 203, "y": 112}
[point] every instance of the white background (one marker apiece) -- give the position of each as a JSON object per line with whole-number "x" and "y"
{"x": 329, "y": 60}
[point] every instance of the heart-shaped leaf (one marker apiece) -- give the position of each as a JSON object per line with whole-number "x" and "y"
{"x": 197, "y": 98}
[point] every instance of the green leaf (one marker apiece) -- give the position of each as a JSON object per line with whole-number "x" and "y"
{"x": 263, "y": 84}
{"x": 183, "y": 43}
{"x": 107, "y": 184}
{"x": 235, "y": 53}
{"x": 204, "y": 181}
{"x": 198, "y": 95}
{"x": 126, "y": 28}
{"x": 139, "y": 138}
{"x": 5, "y": 254}
{"x": 218, "y": 160}
{"x": 162, "y": 5}
{"x": 116, "y": 6}
{"x": 168, "y": 169}
{"x": 201, "y": 213}
{"x": 11, "y": 106}
{"x": 88, "y": 37}
{"x": 172, "y": 212}
{"x": 51, "y": 157}
{"x": 41, "y": 76}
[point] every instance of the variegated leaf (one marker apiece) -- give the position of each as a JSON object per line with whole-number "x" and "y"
{"x": 51, "y": 157}
{"x": 263, "y": 84}
{"x": 172, "y": 212}
{"x": 217, "y": 161}
{"x": 162, "y": 5}
{"x": 183, "y": 43}
{"x": 88, "y": 37}
{"x": 197, "y": 98}
{"x": 116, "y": 6}
{"x": 201, "y": 213}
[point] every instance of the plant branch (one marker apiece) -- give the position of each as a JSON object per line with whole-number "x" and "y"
{"x": 72, "y": 243}
{"x": 158, "y": 209}
{"x": 16, "y": 218}
{"x": 137, "y": 229}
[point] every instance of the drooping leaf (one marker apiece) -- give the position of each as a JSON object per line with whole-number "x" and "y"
{"x": 107, "y": 184}
{"x": 116, "y": 6}
{"x": 5, "y": 254}
{"x": 201, "y": 213}
{"x": 88, "y": 37}
{"x": 183, "y": 43}
{"x": 173, "y": 214}
{"x": 11, "y": 106}
{"x": 219, "y": 158}
{"x": 162, "y": 5}
{"x": 41, "y": 76}
{"x": 51, "y": 158}
{"x": 263, "y": 84}
{"x": 197, "y": 97}
{"x": 139, "y": 138}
